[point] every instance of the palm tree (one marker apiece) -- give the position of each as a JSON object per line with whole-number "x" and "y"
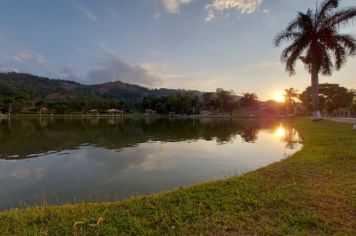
{"x": 249, "y": 100}
{"x": 289, "y": 96}
{"x": 315, "y": 39}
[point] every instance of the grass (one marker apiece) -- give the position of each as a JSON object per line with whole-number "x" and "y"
{"x": 311, "y": 193}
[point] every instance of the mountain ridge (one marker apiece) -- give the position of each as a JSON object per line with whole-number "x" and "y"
{"x": 38, "y": 87}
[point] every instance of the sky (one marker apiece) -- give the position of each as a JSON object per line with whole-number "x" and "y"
{"x": 189, "y": 44}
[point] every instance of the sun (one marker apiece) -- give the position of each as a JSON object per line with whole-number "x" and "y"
{"x": 279, "y": 97}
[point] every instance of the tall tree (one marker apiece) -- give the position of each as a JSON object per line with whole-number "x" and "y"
{"x": 315, "y": 39}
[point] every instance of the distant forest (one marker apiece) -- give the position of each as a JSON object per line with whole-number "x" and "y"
{"x": 25, "y": 93}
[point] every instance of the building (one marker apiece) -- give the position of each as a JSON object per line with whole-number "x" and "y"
{"x": 150, "y": 112}
{"x": 113, "y": 111}
{"x": 205, "y": 113}
{"x": 94, "y": 112}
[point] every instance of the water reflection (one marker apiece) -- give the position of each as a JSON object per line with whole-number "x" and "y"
{"x": 75, "y": 159}
{"x": 280, "y": 132}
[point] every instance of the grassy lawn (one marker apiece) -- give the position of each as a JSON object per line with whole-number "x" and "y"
{"x": 311, "y": 193}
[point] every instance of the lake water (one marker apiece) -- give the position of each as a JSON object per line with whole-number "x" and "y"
{"x": 60, "y": 160}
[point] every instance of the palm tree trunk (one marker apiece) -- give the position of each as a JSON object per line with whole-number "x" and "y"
{"x": 315, "y": 92}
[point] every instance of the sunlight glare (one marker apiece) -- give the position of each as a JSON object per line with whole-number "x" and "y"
{"x": 280, "y": 132}
{"x": 279, "y": 97}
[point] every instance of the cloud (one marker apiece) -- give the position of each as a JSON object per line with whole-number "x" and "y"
{"x": 244, "y": 6}
{"x": 30, "y": 57}
{"x": 112, "y": 68}
{"x": 266, "y": 11}
{"x": 23, "y": 56}
{"x": 210, "y": 16}
{"x": 87, "y": 13}
{"x": 266, "y": 64}
{"x": 70, "y": 73}
{"x": 41, "y": 60}
{"x": 157, "y": 16}
{"x": 3, "y": 68}
{"x": 173, "y": 6}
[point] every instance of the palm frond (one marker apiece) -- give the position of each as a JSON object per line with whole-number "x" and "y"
{"x": 326, "y": 7}
{"x": 306, "y": 22}
{"x": 341, "y": 17}
{"x": 286, "y": 36}
{"x": 325, "y": 61}
{"x": 347, "y": 41}
{"x": 339, "y": 56}
{"x": 327, "y": 66}
{"x": 290, "y": 56}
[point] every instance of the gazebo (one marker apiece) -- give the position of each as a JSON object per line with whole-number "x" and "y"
{"x": 94, "y": 111}
{"x": 114, "y": 111}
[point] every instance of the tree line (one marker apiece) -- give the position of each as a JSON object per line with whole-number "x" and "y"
{"x": 179, "y": 103}
{"x": 331, "y": 97}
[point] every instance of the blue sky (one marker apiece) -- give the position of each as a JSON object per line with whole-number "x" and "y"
{"x": 191, "y": 44}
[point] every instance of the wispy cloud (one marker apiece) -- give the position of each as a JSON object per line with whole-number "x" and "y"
{"x": 266, "y": 64}
{"x": 173, "y": 6}
{"x": 41, "y": 60}
{"x": 31, "y": 57}
{"x": 244, "y": 6}
{"x": 214, "y": 6}
{"x": 23, "y": 57}
{"x": 91, "y": 16}
{"x": 112, "y": 68}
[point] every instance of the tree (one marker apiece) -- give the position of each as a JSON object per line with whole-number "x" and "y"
{"x": 331, "y": 97}
{"x": 289, "y": 96}
{"x": 249, "y": 100}
{"x": 315, "y": 39}
{"x": 209, "y": 100}
{"x": 225, "y": 99}
{"x": 353, "y": 103}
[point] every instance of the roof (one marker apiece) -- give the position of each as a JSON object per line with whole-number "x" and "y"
{"x": 114, "y": 110}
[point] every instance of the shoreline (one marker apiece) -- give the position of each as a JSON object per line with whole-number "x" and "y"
{"x": 140, "y": 115}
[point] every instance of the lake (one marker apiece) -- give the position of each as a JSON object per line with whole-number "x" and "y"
{"x": 61, "y": 160}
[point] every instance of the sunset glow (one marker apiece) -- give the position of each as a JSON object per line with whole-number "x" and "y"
{"x": 280, "y": 132}
{"x": 279, "y": 97}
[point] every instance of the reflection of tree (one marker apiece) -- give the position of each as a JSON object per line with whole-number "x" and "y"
{"x": 249, "y": 134}
{"x": 34, "y": 136}
{"x": 291, "y": 138}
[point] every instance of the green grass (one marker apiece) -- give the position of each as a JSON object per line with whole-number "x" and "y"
{"x": 311, "y": 193}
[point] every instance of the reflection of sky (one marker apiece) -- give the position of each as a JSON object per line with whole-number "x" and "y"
{"x": 94, "y": 173}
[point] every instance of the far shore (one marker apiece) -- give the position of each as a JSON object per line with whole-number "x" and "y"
{"x": 138, "y": 115}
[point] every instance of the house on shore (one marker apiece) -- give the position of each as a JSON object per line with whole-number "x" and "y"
{"x": 345, "y": 112}
{"x": 150, "y": 112}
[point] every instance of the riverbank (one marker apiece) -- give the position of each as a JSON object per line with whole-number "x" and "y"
{"x": 311, "y": 193}
{"x": 139, "y": 115}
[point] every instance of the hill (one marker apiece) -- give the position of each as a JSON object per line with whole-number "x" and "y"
{"x": 39, "y": 88}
